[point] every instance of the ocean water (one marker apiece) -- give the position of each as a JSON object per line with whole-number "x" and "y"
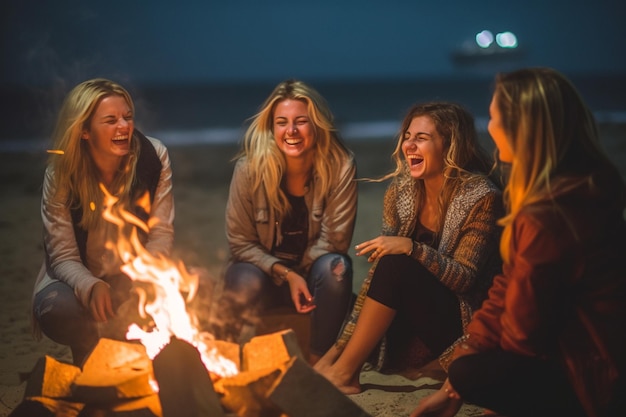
{"x": 184, "y": 114}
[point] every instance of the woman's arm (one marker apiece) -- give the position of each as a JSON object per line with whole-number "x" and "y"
{"x": 543, "y": 260}
{"x": 161, "y": 236}
{"x": 243, "y": 217}
{"x": 338, "y": 217}
{"x": 62, "y": 253}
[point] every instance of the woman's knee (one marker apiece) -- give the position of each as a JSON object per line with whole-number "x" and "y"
{"x": 61, "y": 316}
{"x": 332, "y": 269}
{"x": 244, "y": 276}
{"x": 472, "y": 375}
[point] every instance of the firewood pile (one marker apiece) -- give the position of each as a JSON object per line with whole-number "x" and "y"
{"x": 119, "y": 379}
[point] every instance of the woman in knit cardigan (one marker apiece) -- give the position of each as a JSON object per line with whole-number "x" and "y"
{"x": 436, "y": 256}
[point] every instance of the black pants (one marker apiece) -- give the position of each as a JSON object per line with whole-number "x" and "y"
{"x": 514, "y": 385}
{"x": 428, "y": 317}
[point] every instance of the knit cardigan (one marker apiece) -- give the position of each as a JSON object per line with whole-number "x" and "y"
{"x": 467, "y": 257}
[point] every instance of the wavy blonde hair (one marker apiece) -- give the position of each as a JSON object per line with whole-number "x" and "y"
{"x": 553, "y": 137}
{"x": 464, "y": 159}
{"x": 74, "y": 170}
{"x": 265, "y": 160}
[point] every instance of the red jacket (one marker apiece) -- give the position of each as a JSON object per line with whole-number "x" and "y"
{"x": 562, "y": 295}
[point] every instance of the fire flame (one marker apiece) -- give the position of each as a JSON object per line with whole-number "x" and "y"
{"x": 167, "y": 308}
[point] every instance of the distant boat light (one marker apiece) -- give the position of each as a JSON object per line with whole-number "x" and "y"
{"x": 484, "y": 39}
{"x": 506, "y": 40}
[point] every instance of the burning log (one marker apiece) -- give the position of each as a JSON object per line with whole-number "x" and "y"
{"x": 149, "y": 406}
{"x": 51, "y": 378}
{"x": 48, "y": 389}
{"x": 245, "y": 394}
{"x": 47, "y": 407}
{"x": 228, "y": 350}
{"x": 276, "y": 380}
{"x": 185, "y": 387}
{"x": 280, "y": 318}
{"x": 114, "y": 370}
{"x": 270, "y": 350}
{"x": 118, "y": 379}
{"x": 302, "y": 392}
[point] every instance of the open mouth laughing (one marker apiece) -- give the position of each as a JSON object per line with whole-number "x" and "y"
{"x": 121, "y": 139}
{"x": 293, "y": 141}
{"x": 414, "y": 160}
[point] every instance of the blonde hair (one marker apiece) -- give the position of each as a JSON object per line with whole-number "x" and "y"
{"x": 465, "y": 159}
{"x": 74, "y": 171}
{"x": 553, "y": 137}
{"x": 265, "y": 160}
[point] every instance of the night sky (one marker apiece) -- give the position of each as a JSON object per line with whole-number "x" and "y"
{"x": 158, "y": 41}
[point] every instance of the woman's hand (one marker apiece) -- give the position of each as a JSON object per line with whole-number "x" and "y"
{"x": 300, "y": 295}
{"x": 443, "y": 403}
{"x": 100, "y": 305}
{"x": 384, "y": 245}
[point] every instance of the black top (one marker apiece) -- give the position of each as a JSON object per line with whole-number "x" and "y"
{"x": 294, "y": 229}
{"x": 425, "y": 236}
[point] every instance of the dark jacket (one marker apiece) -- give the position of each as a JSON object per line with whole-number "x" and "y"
{"x": 562, "y": 295}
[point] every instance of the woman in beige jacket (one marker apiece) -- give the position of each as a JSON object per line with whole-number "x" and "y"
{"x": 290, "y": 217}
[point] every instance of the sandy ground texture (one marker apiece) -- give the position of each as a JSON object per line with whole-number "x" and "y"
{"x": 201, "y": 177}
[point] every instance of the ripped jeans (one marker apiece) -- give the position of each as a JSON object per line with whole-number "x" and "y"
{"x": 248, "y": 291}
{"x": 63, "y": 319}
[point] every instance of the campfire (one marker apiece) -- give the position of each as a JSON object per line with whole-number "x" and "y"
{"x": 170, "y": 368}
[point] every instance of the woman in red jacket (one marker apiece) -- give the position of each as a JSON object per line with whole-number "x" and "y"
{"x": 550, "y": 339}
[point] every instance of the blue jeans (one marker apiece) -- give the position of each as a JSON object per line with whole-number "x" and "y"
{"x": 248, "y": 291}
{"x": 63, "y": 318}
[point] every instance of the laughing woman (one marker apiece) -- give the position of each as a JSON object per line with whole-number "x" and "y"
{"x": 80, "y": 284}
{"x": 290, "y": 217}
{"x": 437, "y": 254}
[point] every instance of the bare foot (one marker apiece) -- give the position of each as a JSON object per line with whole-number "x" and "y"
{"x": 313, "y": 359}
{"x": 348, "y": 384}
{"x": 349, "y": 387}
{"x": 327, "y": 360}
{"x": 354, "y": 387}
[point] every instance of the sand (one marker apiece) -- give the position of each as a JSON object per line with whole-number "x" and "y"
{"x": 201, "y": 177}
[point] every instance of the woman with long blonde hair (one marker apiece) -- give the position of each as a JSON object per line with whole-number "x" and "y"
{"x": 290, "y": 217}
{"x": 95, "y": 146}
{"x": 550, "y": 339}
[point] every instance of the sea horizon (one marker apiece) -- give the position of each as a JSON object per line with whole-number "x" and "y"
{"x": 196, "y": 114}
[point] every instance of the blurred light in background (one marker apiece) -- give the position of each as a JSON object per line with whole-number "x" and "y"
{"x": 506, "y": 40}
{"x": 484, "y": 39}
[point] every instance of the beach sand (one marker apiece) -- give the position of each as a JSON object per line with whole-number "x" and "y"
{"x": 201, "y": 178}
